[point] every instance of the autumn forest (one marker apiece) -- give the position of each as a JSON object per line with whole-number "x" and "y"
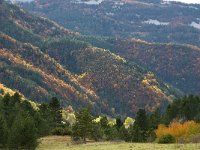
{"x": 99, "y": 71}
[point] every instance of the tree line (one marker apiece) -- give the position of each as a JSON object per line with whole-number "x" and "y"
{"x": 21, "y": 124}
{"x": 180, "y": 113}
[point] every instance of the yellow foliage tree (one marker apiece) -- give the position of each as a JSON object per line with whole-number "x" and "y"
{"x": 128, "y": 122}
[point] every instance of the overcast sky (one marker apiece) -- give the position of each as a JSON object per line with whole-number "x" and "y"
{"x": 185, "y": 1}
{"x": 22, "y": 0}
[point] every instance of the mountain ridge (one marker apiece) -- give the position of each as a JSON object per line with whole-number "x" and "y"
{"x": 150, "y": 20}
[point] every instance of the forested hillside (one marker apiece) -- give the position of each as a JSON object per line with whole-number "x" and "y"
{"x": 176, "y": 64}
{"x": 41, "y": 59}
{"x": 154, "y": 21}
{"x": 150, "y": 20}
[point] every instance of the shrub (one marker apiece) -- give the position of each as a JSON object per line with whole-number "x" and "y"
{"x": 97, "y": 132}
{"x": 112, "y": 134}
{"x": 168, "y": 138}
{"x": 61, "y": 131}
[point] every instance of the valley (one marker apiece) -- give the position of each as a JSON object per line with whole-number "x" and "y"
{"x": 99, "y": 74}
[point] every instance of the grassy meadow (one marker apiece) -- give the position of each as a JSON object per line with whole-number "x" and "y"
{"x": 64, "y": 143}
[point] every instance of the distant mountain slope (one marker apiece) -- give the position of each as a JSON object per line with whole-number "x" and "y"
{"x": 173, "y": 63}
{"x": 113, "y": 78}
{"x": 40, "y": 63}
{"x": 150, "y": 20}
{"x": 25, "y": 27}
{"x": 178, "y": 65}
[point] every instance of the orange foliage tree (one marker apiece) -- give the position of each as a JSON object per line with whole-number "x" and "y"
{"x": 176, "y": 129}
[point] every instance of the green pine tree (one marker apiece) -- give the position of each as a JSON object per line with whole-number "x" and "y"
{"x": 155, "y": 119}
{"x": 5, "y": 109}
{"x": 140, "y": 127}
{"x": 119, "y": 123}
{"x": 3, "y": 132}
{"x": 83, "y": 126}
{"x": 104, "y": 122}
{"x": 23, "y": 133}
{"x": 56, "y": 112}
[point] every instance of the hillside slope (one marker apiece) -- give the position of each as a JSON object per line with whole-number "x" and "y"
{"x": 30, "y": 71}
{"x": 178, "y": 65}
{"x": 46, "y": 64}
{"x": 150, "y": 20}
{"x": 112, "y": 77}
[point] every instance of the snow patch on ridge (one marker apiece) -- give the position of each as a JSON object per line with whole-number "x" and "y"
{"x": 156, "y": 22}
{"x": 90, "y": 2}
{"x": 195, "y": 25}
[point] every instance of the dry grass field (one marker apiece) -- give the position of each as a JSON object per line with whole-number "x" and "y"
{"x": 64, "y": 143}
